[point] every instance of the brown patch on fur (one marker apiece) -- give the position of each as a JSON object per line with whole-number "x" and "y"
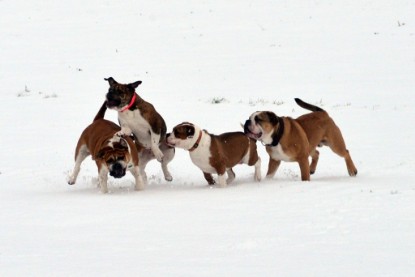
{"x": 266, "y": 122}
{"x": 229, "y": 149}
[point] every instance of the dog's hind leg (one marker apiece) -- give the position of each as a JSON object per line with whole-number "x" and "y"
{"x": 81, "y": 154}
{"x": 168, "y": 153}
{"x": 338, "y": 146}
{"x": 231, "y": 175}
{"x": 209, "y": 178}
{"x": 222, "y": 180}
{"x": 314, "y": 160}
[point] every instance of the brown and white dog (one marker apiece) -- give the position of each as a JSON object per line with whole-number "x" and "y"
{"x": 141, "y": 119}
{"x": 112, "y": 154}
{"x": 294, "y": 140}
{"x": 216, "y": 154}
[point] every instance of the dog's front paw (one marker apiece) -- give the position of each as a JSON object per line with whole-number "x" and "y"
{"x": 124, "y": 132}
{"x": 71, "y": 180}
{"x": 158, "y": 154}
{"x": 257, "y": 177}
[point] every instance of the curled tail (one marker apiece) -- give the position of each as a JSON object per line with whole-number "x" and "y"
{"x": 307, "y": 106}
{"x": 101, "y": 112}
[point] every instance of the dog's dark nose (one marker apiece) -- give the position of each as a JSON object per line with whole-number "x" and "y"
{"x": 246, "y": 126}
{"x": 117, "y": 171}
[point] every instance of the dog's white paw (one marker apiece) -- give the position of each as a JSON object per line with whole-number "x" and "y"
{"x": 168, "y": 178}
{"x": 125, "y": 131}
{"x": 158, "y": 154}
{"x": 71, "y": 180}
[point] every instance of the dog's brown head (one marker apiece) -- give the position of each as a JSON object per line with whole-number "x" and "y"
{"x": 116, "y": 156}
{"x": 119, "y": 95}
{"x": 261, "y": 126}
{"x": 183, "y": 135}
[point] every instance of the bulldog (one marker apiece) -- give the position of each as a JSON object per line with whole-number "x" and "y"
{"x": 216, "y": 154}
{"x": 294, "y": 140}
{"x": 141, "y": 119}
{"x": 112, "y": 154}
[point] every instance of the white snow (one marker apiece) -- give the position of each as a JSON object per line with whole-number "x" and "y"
{"x": 355, "y": 59}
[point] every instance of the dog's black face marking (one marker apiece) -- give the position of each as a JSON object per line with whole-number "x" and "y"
{"x": 117, "y": 170}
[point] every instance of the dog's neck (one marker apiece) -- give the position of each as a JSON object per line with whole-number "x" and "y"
{"x": 196, "y": 145}
{"x": 131, "y": 103}
{"x": 277, "y": 137}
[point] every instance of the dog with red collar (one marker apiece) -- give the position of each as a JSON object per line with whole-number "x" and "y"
{"x": 216, "y": 154}
{"x": 140, "y": 118}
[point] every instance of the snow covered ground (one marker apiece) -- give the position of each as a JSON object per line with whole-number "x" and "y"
{"x": 356, "y": 59}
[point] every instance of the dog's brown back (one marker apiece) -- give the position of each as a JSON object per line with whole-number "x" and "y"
{"x": 233, "y": 155}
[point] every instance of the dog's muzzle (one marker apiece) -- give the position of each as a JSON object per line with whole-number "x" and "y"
{"x": 246, "y": 126}
{"x": 112, "y": 101}
{"x": 248, "y": 131}
{"x": 169, "y": 141}
{"x": 117, "y": 170}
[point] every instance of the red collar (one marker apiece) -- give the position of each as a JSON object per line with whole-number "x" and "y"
{"x": 197, "y": 142}
{"x": 131, "y": 103}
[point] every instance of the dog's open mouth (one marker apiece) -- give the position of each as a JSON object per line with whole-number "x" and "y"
{"x": 253, "y": 135}
{"x": 171, "y": 144}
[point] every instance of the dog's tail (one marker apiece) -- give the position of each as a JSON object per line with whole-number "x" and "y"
{"x": 101, "y": 112}
{"x": 308, "y": 106}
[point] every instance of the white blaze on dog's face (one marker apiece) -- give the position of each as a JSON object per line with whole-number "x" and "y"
{"x": 261, "y": 125}
{"x": 183, "y": 135}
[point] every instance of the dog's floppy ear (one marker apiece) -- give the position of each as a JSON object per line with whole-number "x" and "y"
{"x": 111, "y": 81}
{"x": 101, "y": 153}
{"x": 272, "y": 118}
{"x": 190, "y": 131}
{"x": 135, "y": 84}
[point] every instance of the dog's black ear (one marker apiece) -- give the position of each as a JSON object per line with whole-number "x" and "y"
{"x": 111, "y": 81}
{"x": 272, "y": 118}
{"x": 135, "y": 84}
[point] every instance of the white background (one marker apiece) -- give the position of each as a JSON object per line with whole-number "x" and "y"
{"x": 355, "y": 59}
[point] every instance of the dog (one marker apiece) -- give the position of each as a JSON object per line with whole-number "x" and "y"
{"x": 294, "y": 140}
{"x": 141, "y": 119}
{"x": 216, "y": 154}
{"x": 112, "y": 154}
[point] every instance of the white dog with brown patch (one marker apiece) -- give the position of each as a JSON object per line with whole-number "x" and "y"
{"x": 216, "y": 154}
